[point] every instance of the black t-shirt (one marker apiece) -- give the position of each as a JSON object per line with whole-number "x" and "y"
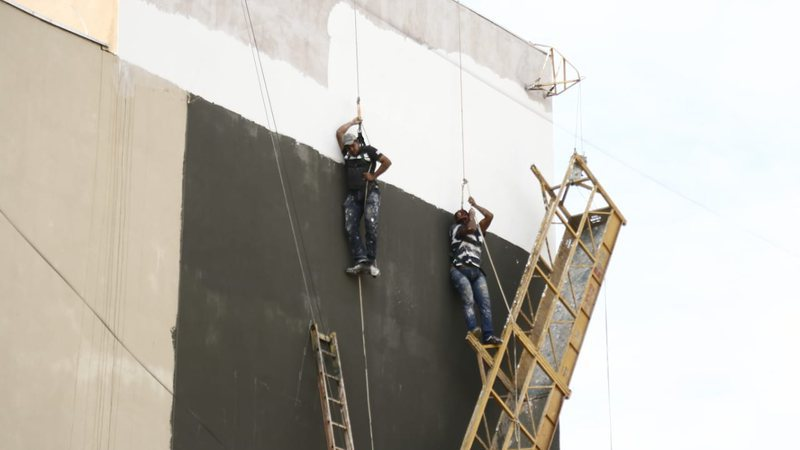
{"x": 356, "y": 165}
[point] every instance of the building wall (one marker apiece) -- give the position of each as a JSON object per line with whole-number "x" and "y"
{"x": 128, "y": 211}
{"x": 95, "y": 19}
{"x": 90, "y": 176}
{"x": 409, "y": 86}
{"x": 245, "y": 368}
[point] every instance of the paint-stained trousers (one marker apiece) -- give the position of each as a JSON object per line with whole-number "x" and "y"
{"x": 471, "y": 286}
{"x": 353, "y": 210}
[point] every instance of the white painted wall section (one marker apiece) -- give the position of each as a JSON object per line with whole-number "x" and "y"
{"x": 411, "y": 102}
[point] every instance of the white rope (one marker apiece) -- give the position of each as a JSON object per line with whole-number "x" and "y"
{"x": 461, "y": 105}
{"x": 110, "y": 331}
{"x": 608, "y": 364}
{"x": 508, "y": 308}
{"x": 358, "y": 75}
{"x": 491, "y": 260}
{"x": 366, "y": 370}
{"x": 269, "y": 112}
{"x": 364, "y": 214}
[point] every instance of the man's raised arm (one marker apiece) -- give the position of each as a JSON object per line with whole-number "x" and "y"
{"x": 487, "y": 215}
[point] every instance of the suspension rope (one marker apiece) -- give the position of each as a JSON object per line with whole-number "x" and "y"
{"x": 358, "y": 75}
{"x": 362, "y": 129}
{"x": 461, "y": 106}
{"x": 491, "y": 260}
{"x": 366, "y": 369}
{"x": 608, "y": 365}
{"x": 578, "y": 134}
{"x": 269, "y": 112}
{"x": 465, "y": 185}
{"x": 108, "y": 328}
{"x": 580, "y": 116}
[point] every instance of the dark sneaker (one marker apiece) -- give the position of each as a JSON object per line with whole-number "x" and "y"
{"x": 357, "y": 269}
{"x": 492, "y": 340}
{"x": 374, "y": 271}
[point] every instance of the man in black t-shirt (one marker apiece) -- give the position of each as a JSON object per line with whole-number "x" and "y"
{"x": 361, "y": 176}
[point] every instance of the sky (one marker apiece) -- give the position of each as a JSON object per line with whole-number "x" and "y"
{"x": 687, "y": 117}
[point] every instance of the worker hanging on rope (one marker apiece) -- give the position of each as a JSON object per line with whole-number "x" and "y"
{"x": 465, "y": 270}
{"x": 362, "y": 197}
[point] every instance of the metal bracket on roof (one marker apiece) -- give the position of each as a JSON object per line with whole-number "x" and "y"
{"x": 556, "y": 75}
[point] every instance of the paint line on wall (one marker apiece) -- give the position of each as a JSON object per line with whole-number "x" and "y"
{"x": 410, "y": 100}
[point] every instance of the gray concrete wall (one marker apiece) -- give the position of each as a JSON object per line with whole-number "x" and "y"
{"x": 245, "y": 374}
{"x": 90, "y": 191}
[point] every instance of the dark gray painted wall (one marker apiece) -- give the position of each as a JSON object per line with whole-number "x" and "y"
{"x": 245, "y": 376}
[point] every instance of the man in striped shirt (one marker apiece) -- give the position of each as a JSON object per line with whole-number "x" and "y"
{"x": 465, "y": 270}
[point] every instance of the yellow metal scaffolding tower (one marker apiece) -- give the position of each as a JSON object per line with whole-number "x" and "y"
{"x": 526, "y": 378}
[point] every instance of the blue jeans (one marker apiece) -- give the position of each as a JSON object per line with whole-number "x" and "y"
{"x": 353, "y": 210}
{"x": 471, "y": 286}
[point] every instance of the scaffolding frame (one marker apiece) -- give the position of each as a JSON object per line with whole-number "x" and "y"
{"x": 526, "y": 378}
{"x": 556, "y": 75}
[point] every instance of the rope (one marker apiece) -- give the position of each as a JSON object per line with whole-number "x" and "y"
{"x": 88, "y": 305}
{"x": 580, "y": 116}
{"x": 269, "y": 112}
{"x": 461, "y": 105}
{"x": 107, "y": 326}
{"x": 361, "y": 129}
{"x": 608, "y": 366}
{"x": 366, "y": 370}
{"x": 358, "y": 75}
{"x": 491, "y": 260}
{"x": 576, "y": 133}
{"x": 505, "y": 301}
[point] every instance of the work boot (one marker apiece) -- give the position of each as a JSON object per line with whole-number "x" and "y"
{"x": 356, "y": 269}
{"x": 374, "y": 271}
{"x": 492, "y": 340}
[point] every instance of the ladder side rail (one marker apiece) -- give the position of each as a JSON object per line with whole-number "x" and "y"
{"x": 322, "y": 383}
{"x": 342, "y": 396}
{"x": 557, "y": 394}
{"x": 556, "y": 397}
{"x": 544, "y": 318}
{"x": 567, "y": 364}
{"x": 591, "y": 293}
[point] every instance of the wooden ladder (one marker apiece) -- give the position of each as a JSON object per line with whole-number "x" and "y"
{"x": 338, "y": 431}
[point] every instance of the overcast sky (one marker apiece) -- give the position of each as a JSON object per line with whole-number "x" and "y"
{"x": 689, "y": 120}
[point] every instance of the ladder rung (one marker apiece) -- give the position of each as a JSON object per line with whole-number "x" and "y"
{"x": 331, "y": 354}
{"x": 332, "y": 376}
{"x": 331, "y": 399}
{"x": 337, "y": 424}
